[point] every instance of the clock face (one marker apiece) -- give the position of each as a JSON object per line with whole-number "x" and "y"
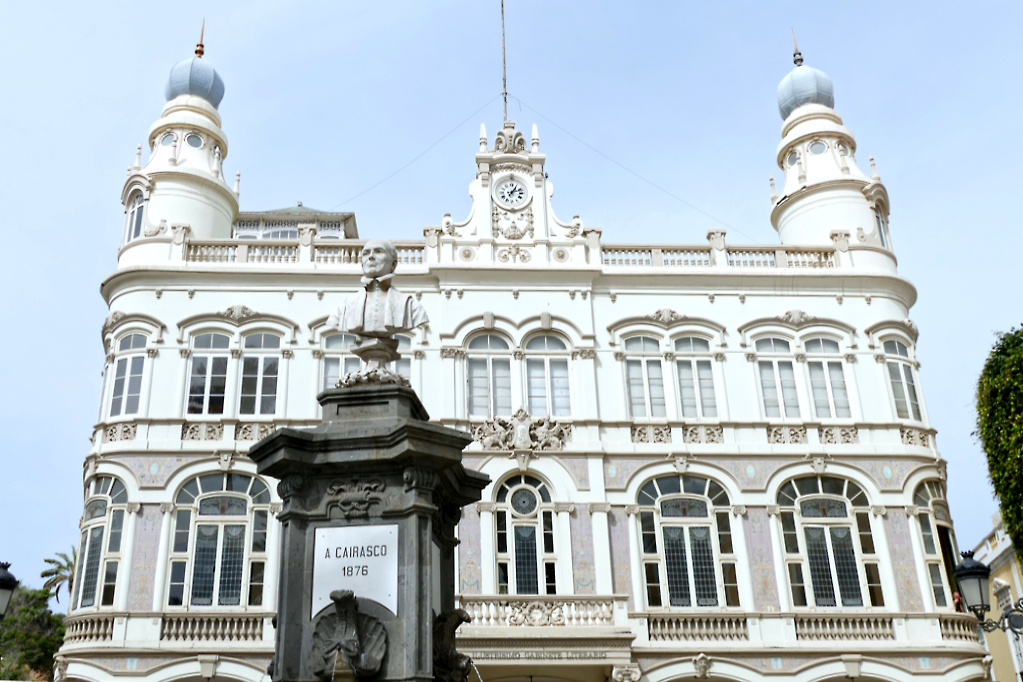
{"x": 511, "y": 193}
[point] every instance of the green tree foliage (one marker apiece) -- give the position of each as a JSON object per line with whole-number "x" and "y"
{"x": 1000, "y": 428}
{"x": 61, "y": 571}
{"x": 29, "y": 635}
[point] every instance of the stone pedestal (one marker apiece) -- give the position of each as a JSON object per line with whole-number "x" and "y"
{"x": 371, "y": 499}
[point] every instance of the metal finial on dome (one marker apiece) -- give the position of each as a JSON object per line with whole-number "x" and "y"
{"x": 199, "y": 49}
{"x": 797, "y": 56}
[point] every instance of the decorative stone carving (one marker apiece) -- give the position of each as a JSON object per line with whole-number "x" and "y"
{"x": 512, "y": 225}
{"x": 238, "y": 313}
{"x": 585, "y": 354}
{"x": 915, "y": 437}
{"x": 513, "y": 254}
{"x": 416, "y": 478}
{"x": 346, "y": 639}
{"x": 619, "y": 356}
{"x": 522, "y": 432}
{"x": 509, "y": 141}
{"x": 535, "y": 613}
{"x": 202, "y": 431}
{"x": 626, "y": 674}
{"x": 290, "y": 487}
{"x": 850, "y": 358}
{"x": 451, "y": 353}
{"x": 751, "y": 357}
{"x": 448, "y": 664}
{"x": 701, "y": 665}
{"x": 838, "y": 435}
{"x": 354, "y": 496}
{"x": 665, "y": 315}
{"x": 226, "y": 459}
{"x": 253, "y": 431}
{"x": 738, "y": 510}
{"x": 719, "y": 357}
{"x": 795, "y": 435}
{"x": 877, "y": 510}
{"x": 651, "y": 433}
{"x": 681, "y": 462}
{"x": 796, "y": 317}
{"x": 879, "y": 359}
{"x": 702, "y": 434}
{"x": 117, "y": 432}
{"x": 372, "y": 375}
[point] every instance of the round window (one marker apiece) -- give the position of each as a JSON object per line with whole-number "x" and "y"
{"x": 793, "y": 157}
{"x": 818, "y": 148}
{"x": 523, "y": 501}
{"x": 843, "y": 150}
{"x": 194, "y": 141}
{"x": 167, "y": 140}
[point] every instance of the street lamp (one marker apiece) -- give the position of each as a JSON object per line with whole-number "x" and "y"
{"x": 8, "y": 583}
{"x": 972, "y": 577}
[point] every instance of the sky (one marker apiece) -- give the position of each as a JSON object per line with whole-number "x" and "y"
{"x": 375, "y": 108}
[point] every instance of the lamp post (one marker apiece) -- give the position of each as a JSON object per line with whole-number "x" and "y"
{"x": 8, "y": 583}
{"x": 972, "y": 577}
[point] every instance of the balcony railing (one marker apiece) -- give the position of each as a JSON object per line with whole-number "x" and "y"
{"x": 286, "y": 252}
{"x": 88, "y": 628}
{"x": 697, "y": 628}
{"x": 540, "y": 610}
{"x": 838, "y": 627}
{"x": 960, "y": 627}
{"x": 203, "y": 628}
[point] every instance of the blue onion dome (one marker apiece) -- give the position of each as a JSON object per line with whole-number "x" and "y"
{"x": 195, "y": 76}
{"x": 804, "y": 85}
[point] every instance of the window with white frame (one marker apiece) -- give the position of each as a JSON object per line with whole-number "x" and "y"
{"x": 547, "y": 376}
{"x": 827, "y": 380}
{"x": 695, "y": 377}
{"x": 99, "y": 551}
{"x": 219, "y": 549}
{"x": 902, "y": 380}
{"x": 644, "y": 377}
{"x": 129, "y": 361}
{"x": 207, "y": 380}
{"x": 686, "y": 543}
{"x": 136, "y": 205}
{"x": 524, "y": 534}
{"x": 261, "y": 364}
{"x": 938, "y": 540}
{"x": 882, "y": 227}
{"x": 252, "y": 229}
{"x": 828, "y": 543}
{"x": 777, "y": 379}
{"x": 489, "y": 376}
{"x": 338, "y": 360}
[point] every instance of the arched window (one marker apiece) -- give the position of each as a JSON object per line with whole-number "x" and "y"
{"x": 99, "y": 553}
{"x": 338, "y": 359}
{"x": 261, "y": 363}
{"x": 207, "y": 383}
{"x": 135, "y": 208}
{"x": 882, "y": 226}
{"x": 695, "y": 377}
{"x": 777, "y": 379}
{"x": 827, "y": 381}
{"x": 900, "y": 375}
{"x": 524, "y": 524}
{"x": 489, "y": 378}
{"x": 938, "y": 538}
{"x": 644, "y": 377}
{"x": 547, "y": 376}
{"x": 129, "y": 361}
{"x": 219, "y": 552}
{"x": 835, "y": 544}
{"x": 691, "y": 560}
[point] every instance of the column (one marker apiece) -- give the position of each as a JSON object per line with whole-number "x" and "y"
{"x": 160, "y": 579}
{"x": 273, "y": 558}
{"x": 487, "y": 551}
{"x": 127, "y": 557}
{"x": 638, "y": 578}
{"x": 564, "y": 575}
{"x": 282, "y": 384}
{"x": 147, "y": 382}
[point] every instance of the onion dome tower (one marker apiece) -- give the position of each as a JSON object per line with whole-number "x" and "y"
{"x": 182, "y": 188}
{"x": 825, "y": 196}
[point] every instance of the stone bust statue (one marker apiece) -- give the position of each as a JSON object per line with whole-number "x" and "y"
{"x": 378, "y": 309}
{"x": 375, "y": 313}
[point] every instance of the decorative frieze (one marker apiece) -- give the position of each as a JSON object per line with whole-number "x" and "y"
{"x": 915, "y": 437}
{"x": 651, "y": 433}
{"x": 202, "y": 431}
{"x": 118, "y": 432}
{"x": 702, "y": 434}
{"x": 838, "y": 435}
{"x": 795, "y": 435}
{"x": 514, "y": 254}
{"x": 354, "y": 496}
{"x": 253, "y": 430}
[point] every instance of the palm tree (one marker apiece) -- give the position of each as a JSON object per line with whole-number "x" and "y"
{"x": 61, "y": 570}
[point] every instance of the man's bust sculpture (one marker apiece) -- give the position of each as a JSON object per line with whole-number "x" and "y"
{"x": 377, "y": 311}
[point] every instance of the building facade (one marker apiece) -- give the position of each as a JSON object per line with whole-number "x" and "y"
{"x": 1006, "y": 585}
{"x": 707, "y": 460}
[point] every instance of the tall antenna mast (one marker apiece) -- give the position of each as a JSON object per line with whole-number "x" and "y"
{"x": 504, "y": 67}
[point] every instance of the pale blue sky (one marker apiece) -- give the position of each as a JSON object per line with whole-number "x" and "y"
{"x": 325, "y": 99}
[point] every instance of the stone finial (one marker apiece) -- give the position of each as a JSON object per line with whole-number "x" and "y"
{"x": 237, "y": 182}
{"x": 873, "y": 171}
{"x": 536, "y": 140}
{"x": 483, "y": 137}
{"x": 138, "y": 158}
{"x": 774, "y": 192}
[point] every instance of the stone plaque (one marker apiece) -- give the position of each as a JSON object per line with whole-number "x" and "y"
{"x": 363, "y": 559}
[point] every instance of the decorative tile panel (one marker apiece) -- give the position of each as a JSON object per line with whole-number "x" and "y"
{"x": 761, "y": 559}
{"x": 583, "y": 577}
{"x": 469, "y": 551}
{"x": 143, "y": 571}
{"x": 896, "y": 529}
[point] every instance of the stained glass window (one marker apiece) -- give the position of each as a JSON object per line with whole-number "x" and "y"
{"x": 525, "y": 534}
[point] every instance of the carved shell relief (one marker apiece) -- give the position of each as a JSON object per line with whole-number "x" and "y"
{"x": 510, "y": 141}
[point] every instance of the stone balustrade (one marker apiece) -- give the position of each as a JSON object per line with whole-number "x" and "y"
{"x": 961, "y": 627}
{"x": 829, "y": 627}
{"x": 212, "y": 628}
{"x": 697, "y": 628}
{"x": 89, "y": 628}
{"x": 540, "y": 610}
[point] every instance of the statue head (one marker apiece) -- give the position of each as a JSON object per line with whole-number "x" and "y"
{"x": 379, "y": 257}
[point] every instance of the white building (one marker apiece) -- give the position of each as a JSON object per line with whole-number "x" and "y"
{"x": 730, "y": 471}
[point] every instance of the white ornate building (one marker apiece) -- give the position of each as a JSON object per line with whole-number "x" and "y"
{"x": 708, "y": 460}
